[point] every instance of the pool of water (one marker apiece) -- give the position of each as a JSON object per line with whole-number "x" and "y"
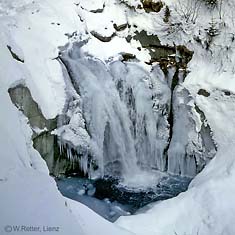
{"x": 111, "y": 199}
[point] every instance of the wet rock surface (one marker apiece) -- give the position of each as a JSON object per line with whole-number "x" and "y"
{"x": 43, "y": 140}
{"x": 152, "y": 6}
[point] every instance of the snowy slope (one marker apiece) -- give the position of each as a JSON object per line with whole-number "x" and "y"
{"x": 208, "y": 206}
{"x": 29, "y": 196}
{"x": 36, "y": 29}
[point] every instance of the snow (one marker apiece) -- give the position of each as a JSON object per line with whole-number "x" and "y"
{"x": 34, "y": 30}
{"x": 29, "y": 196}
{"x": 92, "y": 4}
{"x": 133, "y": 3}
{"x": 26, "y": 26}
{"x": 113, "y": 49}
{"x": 208, "y": 206}
{"x": 38, "y": 203}
{"x": 22, "y": 170}
{"x": 95, "y": 228}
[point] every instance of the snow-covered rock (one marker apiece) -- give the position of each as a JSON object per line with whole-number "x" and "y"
{"x": 122, "y": 116}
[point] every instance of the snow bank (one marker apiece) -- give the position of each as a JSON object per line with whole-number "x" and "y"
{"x": 86, "y": 217}
{"x": 29, "y": 196}
{"x": 208, "y": 206}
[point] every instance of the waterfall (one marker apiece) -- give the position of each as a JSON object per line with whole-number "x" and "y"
{"x": 125, "y": 110}
{"x": 119, "y": 119}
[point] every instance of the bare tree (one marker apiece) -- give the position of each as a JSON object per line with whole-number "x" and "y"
{"x": 188, "y": 9}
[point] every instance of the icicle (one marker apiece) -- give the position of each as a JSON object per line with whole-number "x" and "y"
{"x": 60, "y": 146}
{"x": 117, "y": 104}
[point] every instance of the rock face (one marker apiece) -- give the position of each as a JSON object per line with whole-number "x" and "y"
{"x": 153, "y": 44}
{"x": 152, "y": 6}
{"x": 43, "y": 140}
{"x": 191, "y": 145}
{"x": 21, "y": 97}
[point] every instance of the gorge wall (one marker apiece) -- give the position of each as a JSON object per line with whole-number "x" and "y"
{"x": 119, "y": 118}
{"x": 123, "y": 114}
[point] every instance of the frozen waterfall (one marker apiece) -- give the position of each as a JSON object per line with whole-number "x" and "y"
{"x": 123, "y": 120}
{"x": 125, "y": 109}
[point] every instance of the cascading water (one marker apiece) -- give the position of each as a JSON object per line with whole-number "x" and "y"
{"x": 123, "y": 120}
{"x": 125, "y": 110}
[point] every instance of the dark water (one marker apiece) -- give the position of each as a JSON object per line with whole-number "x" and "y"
{"x": 110, "y": 199}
